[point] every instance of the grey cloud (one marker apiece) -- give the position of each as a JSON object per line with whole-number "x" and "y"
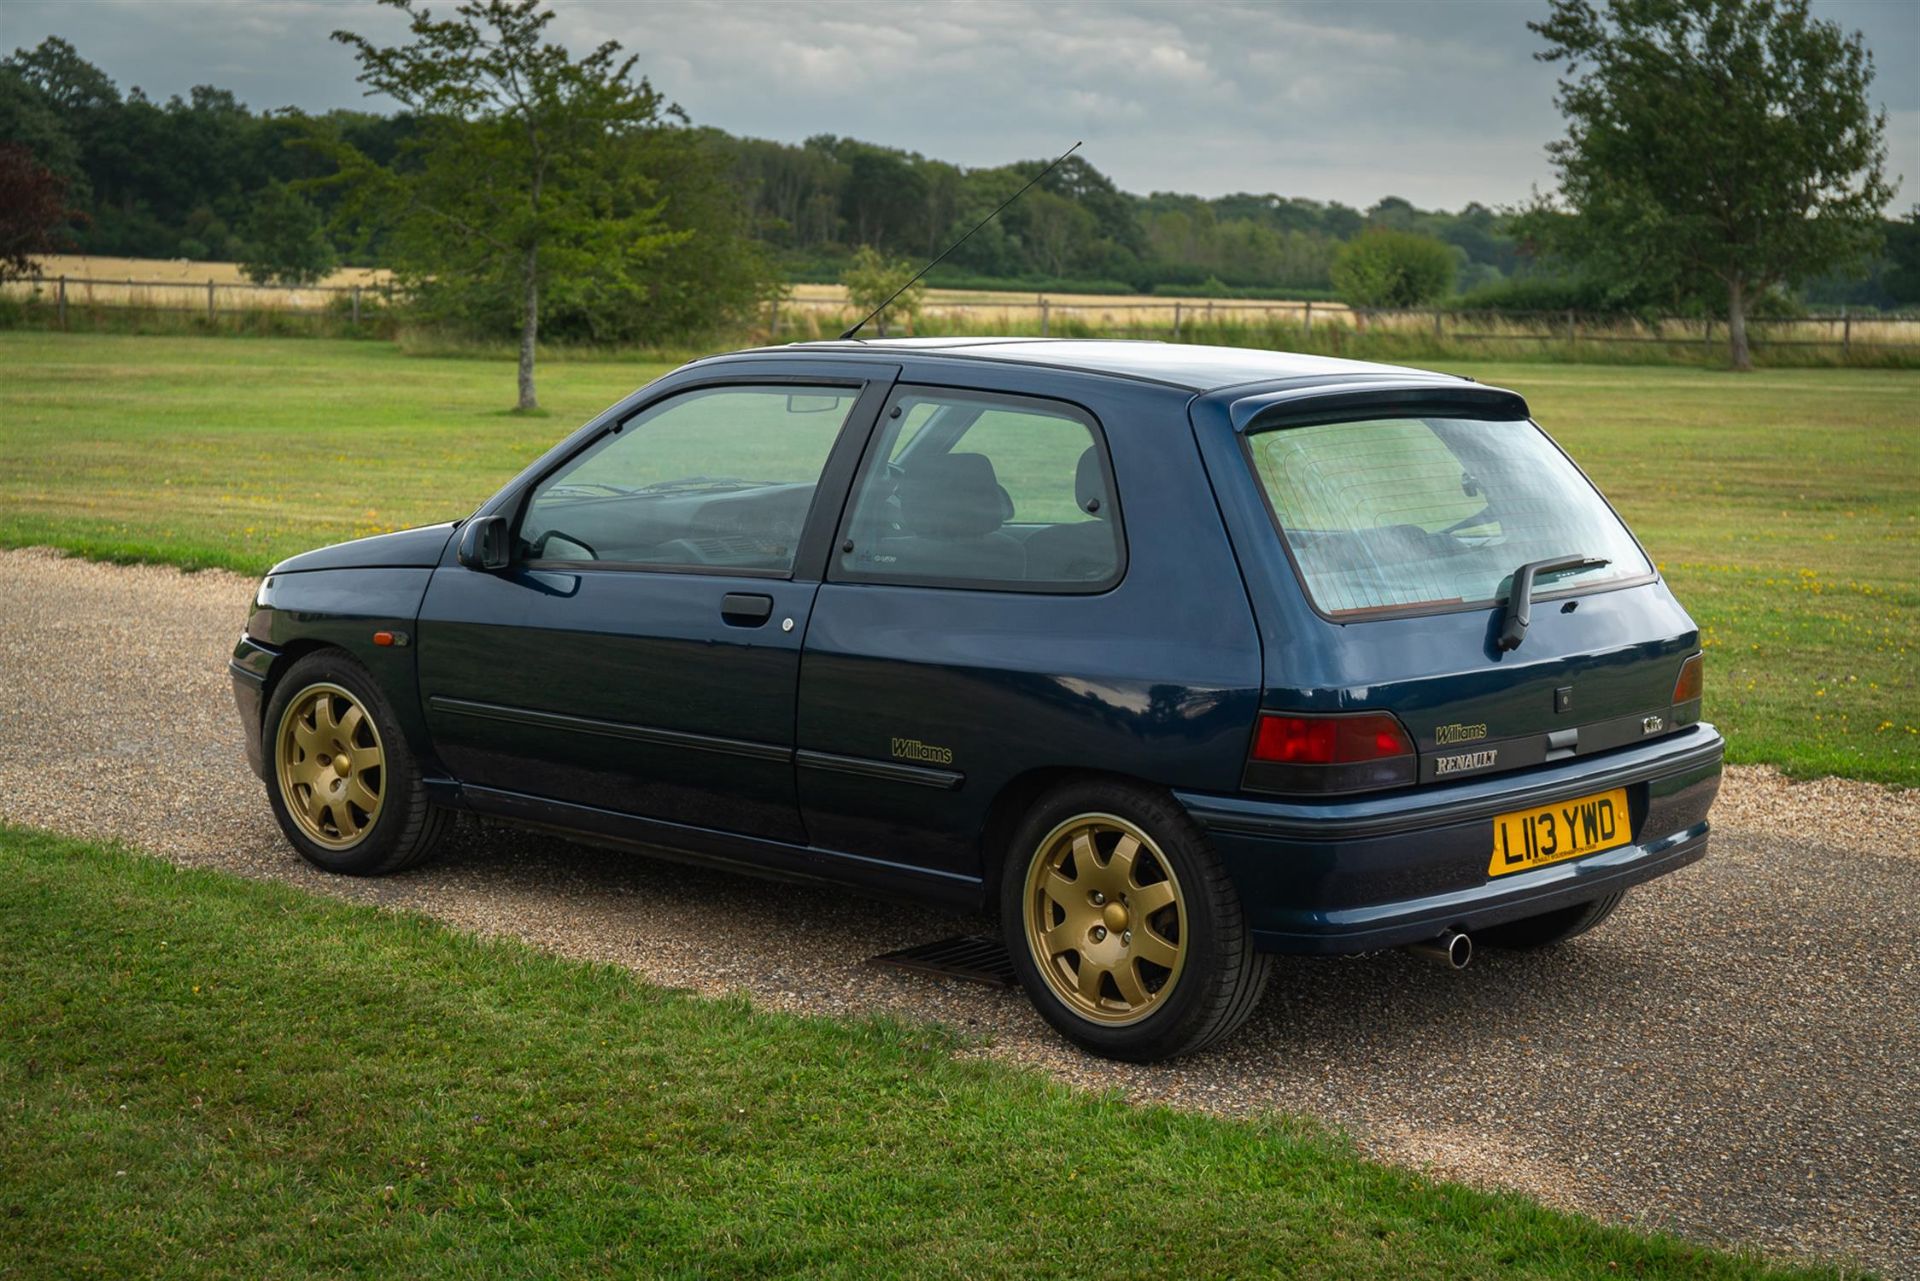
{"x": 1439, "y": 101}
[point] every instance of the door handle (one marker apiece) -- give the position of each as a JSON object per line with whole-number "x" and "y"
{"x": 746, "y": 609}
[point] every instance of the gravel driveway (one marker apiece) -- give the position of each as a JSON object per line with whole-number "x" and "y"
{"x": 1735, "y": 1056}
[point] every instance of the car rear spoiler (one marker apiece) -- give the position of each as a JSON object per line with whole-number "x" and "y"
{"x": 1402, "y": 398}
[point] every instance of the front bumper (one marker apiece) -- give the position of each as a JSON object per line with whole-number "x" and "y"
{"x": 1357, "y": 875}
{"x": 249, "y": 666}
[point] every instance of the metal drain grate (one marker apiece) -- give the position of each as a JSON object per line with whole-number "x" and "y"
{"x": 975, "y": 957}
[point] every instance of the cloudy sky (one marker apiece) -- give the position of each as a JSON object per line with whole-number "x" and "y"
{"x": 1439, "y": 101}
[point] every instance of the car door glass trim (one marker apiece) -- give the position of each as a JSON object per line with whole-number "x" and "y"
{"x": 650, "y": 567}
{"x": 834, "y": 492}
{"x": 610, "y": 729}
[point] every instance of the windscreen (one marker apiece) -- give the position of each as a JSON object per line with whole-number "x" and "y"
{"x": 1407, "y": 514}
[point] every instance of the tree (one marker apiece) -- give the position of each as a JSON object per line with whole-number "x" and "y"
{"x": 1052, "y": 228}
{"x": 715, "y": 279}
{"x": 1396, "y": 212}
{"x": 29, "y": 119}
{"x": 882, "y": 195}
{"x": 523, "y": 176}
{"x": 871, "y": 279}
{"x": 286, "y": 239}
{"x": 33, "y": 211}
{"x": 1722, "y": 145}
{"x": 68, "y": 81}
{"x": 1903, "y": 260}
{"x": 1386, "y": 268}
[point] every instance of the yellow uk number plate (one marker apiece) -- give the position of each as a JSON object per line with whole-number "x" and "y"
{"x": 1563, "y": 830}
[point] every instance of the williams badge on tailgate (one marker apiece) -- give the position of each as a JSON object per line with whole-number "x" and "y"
{"x": 1443, "y": 735}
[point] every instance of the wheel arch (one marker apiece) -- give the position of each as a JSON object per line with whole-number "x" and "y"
{"x": 284, "y": 661}
{"x": 1221, "y": 978}
{"x": 397, "y": 684}
{"x": 384, "y": 838}
{"x": 1019, "y": 795}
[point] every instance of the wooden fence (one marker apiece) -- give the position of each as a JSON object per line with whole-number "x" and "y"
{"x": 988, "y": 313}
{"x": 1843, "y": 329}
{"x": 212, "y": 299}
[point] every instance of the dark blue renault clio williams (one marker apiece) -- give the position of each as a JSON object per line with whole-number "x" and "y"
{"x": 1178, "y": 656}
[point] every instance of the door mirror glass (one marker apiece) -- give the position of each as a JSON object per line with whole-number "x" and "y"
{"x": 483, "y": 543}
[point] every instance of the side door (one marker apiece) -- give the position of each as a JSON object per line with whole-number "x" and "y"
{"x": 950, "y": 647}
{"x": 641, "y": 652}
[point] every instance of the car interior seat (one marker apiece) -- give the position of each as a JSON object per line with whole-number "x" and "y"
{"x": 1082, "y": 549}
{"x": 951, "y": 512}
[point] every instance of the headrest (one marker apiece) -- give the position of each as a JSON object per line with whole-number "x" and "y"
{"x": 1089, "y": 484}
{"x": 952, "y": 496}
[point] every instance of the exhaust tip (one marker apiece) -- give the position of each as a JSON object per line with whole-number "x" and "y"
{"x": 1453, "y": 949}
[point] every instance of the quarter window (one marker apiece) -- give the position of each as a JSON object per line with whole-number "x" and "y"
{"x": 983, "y": 491}
{"x": 721, "y": 478}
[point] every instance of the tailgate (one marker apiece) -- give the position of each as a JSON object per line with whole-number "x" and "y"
{"x": 1596, "y": 672}
{"x": 1389, "y": 548}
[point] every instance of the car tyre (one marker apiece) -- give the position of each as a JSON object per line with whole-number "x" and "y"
{"x": 1123, "y": 925}
{"x": 342, "y": 782}
{"x": 1548, "y": 928}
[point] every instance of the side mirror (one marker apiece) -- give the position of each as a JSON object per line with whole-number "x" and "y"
{"x": 483, "y": 543}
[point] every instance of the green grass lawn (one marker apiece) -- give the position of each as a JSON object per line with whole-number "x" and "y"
{"x": 1784, "y": 508}
{"x": 1784, "y": 505}
{"x": 236, "y": 453}
{"x": 212, "y": 1077}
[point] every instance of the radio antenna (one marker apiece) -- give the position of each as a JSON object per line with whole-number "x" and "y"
{"x": 956, "y": 244}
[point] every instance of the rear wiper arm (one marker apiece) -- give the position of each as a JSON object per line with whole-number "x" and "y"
{"x": 1520, "y": 599}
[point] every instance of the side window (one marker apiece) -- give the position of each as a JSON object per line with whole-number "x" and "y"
{"x": 719, "y": 478}
{"x": 912, "y": 419}
{"x": 969, "y": 490}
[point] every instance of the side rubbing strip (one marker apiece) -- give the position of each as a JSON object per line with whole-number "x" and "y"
{"x": 611, "y": 729}
{"x": 919, "y": 775}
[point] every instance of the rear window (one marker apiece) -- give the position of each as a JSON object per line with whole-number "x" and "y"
{"x": 1409, "y": 514}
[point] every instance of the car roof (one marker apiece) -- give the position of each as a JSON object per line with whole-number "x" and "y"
{"x": 1185, "y": 365}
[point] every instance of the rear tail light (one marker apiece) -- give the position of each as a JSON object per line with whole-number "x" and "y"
{"x": 1686, "y": 691}
{"x": 1692, "y": 678}
{"x": 1345, "y": 753}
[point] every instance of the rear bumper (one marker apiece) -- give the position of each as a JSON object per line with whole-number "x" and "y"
{"x": 1357, "y": 875}
{"x": 249, "y": 666}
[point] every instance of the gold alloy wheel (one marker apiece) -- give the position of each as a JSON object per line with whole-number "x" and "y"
{"x": 331, "y": 766}
{"x": 1105, "y": 919}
